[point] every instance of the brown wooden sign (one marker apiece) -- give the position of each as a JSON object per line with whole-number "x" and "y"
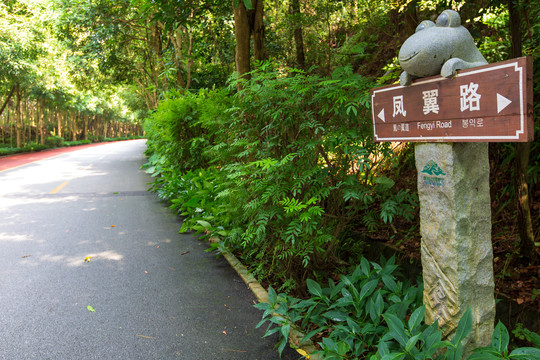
{"x": 491, "y": 103}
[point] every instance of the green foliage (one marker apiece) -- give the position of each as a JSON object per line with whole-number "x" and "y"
{"x": 280, "y": 170}
{"x": 54, "y": 141}
{"x": 362, "y": 317}
{"x": 354, "y": 316}
{"x": 75, "y": 143}
{"x": 498, "y": 348}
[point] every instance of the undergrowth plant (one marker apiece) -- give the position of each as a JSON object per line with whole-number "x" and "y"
{"x": 371, "y": 314}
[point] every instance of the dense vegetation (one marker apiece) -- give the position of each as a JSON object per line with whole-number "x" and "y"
{"x": 258, "y": 119}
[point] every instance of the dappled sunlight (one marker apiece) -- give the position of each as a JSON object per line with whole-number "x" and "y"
{"x": 15, "y": 238}
{"x": 32, "y": 178}
{"x": 77, "y": 259}
{"x": 157, "y": 242}
{"x": 7, "y": 203}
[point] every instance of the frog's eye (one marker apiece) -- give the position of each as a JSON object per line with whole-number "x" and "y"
{"x": 424, "y": 25}
{"x": 442, "y": 20}
{"x": 449, "y": 18}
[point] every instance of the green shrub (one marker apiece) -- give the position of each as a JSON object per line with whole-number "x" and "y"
{"x": 9, "y": 151}
{"x": 283, "y": 168}
{"x": 54, "y": 141}
{"x": 32, "y": 146}
{"x": 75, "y": 143}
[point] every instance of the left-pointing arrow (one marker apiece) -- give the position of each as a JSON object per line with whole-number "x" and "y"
{"x": 381, "y": 115}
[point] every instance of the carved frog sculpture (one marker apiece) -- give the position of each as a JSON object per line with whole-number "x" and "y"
{"x": 444, "y": 46}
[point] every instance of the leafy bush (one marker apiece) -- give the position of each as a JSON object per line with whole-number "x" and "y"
{"x": 9, "y": 151}
{"x": 54, "y": 141}
{"x": 351, "y": 314}
{"x": 32, "y": 146}
{"x": 283, "y": 168}
{"x": 75, "y": 143}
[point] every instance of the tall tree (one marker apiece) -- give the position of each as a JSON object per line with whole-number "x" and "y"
{"x": 523, "y": 151}
{"x": 248, "y": 22}
{"x": 298, "y": 33}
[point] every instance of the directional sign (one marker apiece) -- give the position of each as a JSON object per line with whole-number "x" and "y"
{"x": 491, "y": 103}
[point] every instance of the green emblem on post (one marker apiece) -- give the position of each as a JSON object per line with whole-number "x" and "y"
{"x": 435, "y": 171}
{"x": 432, "y": 168}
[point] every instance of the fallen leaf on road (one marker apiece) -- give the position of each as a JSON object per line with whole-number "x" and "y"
{"x": 25, "y": 256}
{"x": 184, "y": 253}
{"x": 227, "y": 306}
{"x": 146, "y": 337}
{"x": 224, "y": 332}
{"x": 303, "y": 353}
{"x": 146, "y": 272}
{"x": 87, "y": 259}
{"x": 91, "y": 309}
{"x": 113, "y": 226}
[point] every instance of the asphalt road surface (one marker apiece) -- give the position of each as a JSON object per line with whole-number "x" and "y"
{"x": 144, "y": 292}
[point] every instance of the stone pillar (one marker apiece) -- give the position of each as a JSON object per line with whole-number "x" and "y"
{"x": 455, "y": 224}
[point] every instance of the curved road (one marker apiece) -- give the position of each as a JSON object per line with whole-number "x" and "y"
{"x": 155, "y": 294}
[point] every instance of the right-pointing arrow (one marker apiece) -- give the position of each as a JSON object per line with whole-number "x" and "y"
{"x": 502, "y": 103}
{"x": 381, "y": 115}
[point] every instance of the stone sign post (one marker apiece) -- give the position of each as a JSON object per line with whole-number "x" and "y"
{"x": 453, "y": 117}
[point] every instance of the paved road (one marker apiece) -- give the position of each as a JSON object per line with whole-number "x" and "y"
{"x": 156, "y": 293}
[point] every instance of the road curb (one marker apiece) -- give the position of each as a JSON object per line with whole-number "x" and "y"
{"x": 261, "y": 294}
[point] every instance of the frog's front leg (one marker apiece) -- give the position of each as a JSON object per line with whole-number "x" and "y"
{"x": 405, "y": 79}
{"x": 451, "y": 66}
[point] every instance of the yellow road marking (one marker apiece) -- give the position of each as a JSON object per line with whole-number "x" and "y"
{"x": 60, "y": 187}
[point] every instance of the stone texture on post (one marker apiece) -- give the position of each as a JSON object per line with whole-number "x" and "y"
{"x": 455, "y": 224}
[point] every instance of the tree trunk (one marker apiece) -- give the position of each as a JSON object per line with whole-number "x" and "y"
{"x": 85, "y": 128}
{"x": 178, "y": 56}
{"x": 74, "y": 129}
{"x": 59, "y": 123}
{"x": 298, "y": 34}
{"x": 258, "y": 31}
{"x": 41, "y": 115}
{"x": 18, "y": 117}
{"x": 523, "y": 150}
{"x": 241, "y": 33}
{"x": 8, "y": 98}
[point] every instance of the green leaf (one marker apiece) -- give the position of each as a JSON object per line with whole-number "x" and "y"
{"x": 525, "y": 353}
{"x": 310, "y": 334}
{"x": 204, "y": 224}
{"x": 397, "y": 329}
{"x": 500, "y": 338}
{"x": 485, "y": 353}
{"x": 368, "y": 288}
{"x": 379, "y": 304}
{"x": 91, "y": 309}
{"x": 314, "y": 288}
{"x": 272, "y": 296}
{"x": 390, "y": 283}
{"x": 353, "y": 326}
{"x": 336, "y": 315}
{"x": 412, "y": 342}
{"x": 393, "y": 356}
{"x": 248, "y": 4}
{"x": 364, "y": 264}
{"x": 464, "y": 327}
{"x": 416, "y": 318}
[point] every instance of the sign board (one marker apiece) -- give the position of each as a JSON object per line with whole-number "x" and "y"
{"x": 491, "y": 103}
